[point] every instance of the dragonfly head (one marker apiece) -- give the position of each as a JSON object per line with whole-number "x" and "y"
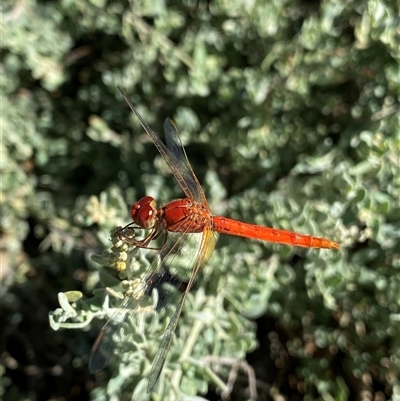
{"x": 144, "y": 212}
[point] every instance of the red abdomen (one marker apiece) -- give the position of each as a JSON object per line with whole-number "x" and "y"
{"x": 234, "y": 227}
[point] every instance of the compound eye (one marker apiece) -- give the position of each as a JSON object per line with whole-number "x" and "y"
{"x": 144, "y": 212}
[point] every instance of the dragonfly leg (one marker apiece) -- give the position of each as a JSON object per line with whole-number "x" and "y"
{"x": 143, "y": 243}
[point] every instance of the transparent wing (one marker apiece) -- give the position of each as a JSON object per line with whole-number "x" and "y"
{"x": 175, "y": 155}
{"x": 205, "y": 250}
{"x": 172, "y": 266}
{"x": 114, "y": 330}
{"x": 174, "y": 144}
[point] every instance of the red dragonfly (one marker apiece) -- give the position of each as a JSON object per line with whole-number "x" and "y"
{"x": 177, "y": 222}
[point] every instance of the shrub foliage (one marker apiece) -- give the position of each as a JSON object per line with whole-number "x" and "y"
{"x": 289, "y": 115}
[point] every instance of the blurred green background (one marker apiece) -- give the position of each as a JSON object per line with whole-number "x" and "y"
{"x": 289, "y": 114}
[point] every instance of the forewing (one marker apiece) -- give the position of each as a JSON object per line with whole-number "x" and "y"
{"x": 205, "y": 250}
{"x": 175, "y": 146}
{"x": 171, "y": 266}
{"x": 174, "y": 265}
{"x": 109, "y": 339}
{"x": 175, "y": 156}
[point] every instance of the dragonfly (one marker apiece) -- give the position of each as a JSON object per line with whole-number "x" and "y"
{"x": 179, "y": 222}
